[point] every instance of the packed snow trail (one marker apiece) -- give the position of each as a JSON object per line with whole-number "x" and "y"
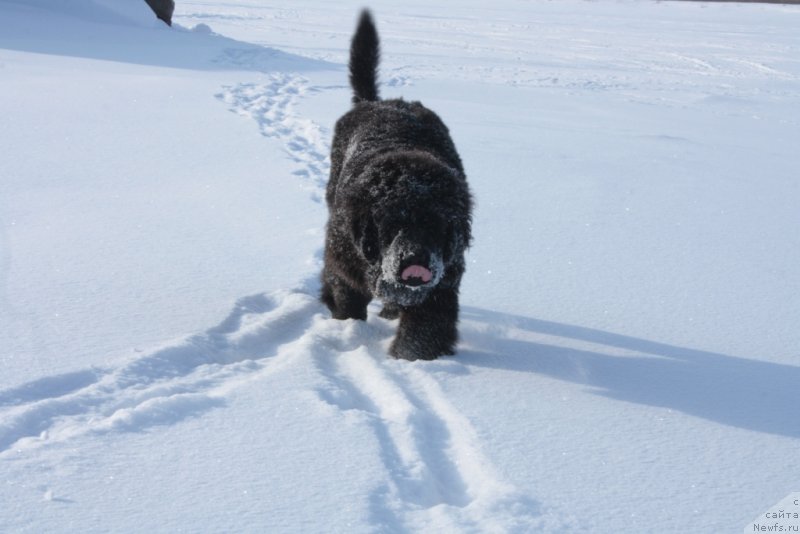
{"x": 159, "y": 387}
{"x": 272, "y": 106}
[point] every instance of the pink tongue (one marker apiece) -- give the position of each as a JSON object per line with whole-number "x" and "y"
{"x": 417, "y": 271}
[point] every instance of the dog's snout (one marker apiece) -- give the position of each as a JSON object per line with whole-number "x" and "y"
{"x": 419, "y": 258}
{"x": 415, "y": 270}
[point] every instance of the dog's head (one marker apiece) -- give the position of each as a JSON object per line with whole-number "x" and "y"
{"x": 415, "y": 223}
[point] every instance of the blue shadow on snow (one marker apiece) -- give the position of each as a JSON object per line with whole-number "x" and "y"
{"x": 754, "y": 395}
{"x": 94, "y": 32}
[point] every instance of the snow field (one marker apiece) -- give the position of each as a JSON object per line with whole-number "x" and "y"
{"x": 629, "y": 345}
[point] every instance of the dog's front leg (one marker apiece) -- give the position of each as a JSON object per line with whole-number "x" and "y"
{"x": 428, "y": 330}
{"x": 343, "y": 301}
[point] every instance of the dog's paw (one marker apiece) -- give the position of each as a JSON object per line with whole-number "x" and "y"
{"x": 413, "y": 349}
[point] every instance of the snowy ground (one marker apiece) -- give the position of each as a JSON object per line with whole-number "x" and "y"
{"x": 630, "y": 340}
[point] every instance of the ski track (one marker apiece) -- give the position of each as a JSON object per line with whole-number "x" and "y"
{"x": 437, "y": 476}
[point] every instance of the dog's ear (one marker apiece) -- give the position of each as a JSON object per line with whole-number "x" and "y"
{"x": 365, "y": 237}
{"x": 457, "y": 239}
{"x": 452, "y": 243}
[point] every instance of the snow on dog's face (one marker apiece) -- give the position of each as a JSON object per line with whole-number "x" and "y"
{"x": 407, "y": 253}
{"x": 409, "y": 219}
{"x": 409, "y": 270}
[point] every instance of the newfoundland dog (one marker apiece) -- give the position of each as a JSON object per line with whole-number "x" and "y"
{"x": 400, "y": 213}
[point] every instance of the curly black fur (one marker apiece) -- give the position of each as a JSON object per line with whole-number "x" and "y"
{"x": 400, "y": 213}
{"x": 365, "y": 54}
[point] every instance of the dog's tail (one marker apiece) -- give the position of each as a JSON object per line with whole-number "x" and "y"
{"x": 364, "y": 57}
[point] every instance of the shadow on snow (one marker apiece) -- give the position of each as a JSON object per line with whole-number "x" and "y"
{"x": 93, "y": 32}
{"x": 749, "y": 394}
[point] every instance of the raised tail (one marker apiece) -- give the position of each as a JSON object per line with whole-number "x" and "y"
{"x": 364, "y": 57}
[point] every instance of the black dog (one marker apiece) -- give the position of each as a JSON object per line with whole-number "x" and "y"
{"x": 400, "y": 213}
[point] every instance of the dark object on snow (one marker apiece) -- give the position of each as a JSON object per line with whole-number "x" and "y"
{"x": 163, "y": 9}
{"x": 400, "y": 213}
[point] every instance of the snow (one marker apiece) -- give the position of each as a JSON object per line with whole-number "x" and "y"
{"x": 630, "y": 341}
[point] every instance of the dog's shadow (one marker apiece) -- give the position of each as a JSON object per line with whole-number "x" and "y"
{"x": 750, "y": 394}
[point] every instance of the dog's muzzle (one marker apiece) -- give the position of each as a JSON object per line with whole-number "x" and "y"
{"x": 416, "y": 275}
{"x": 414, "y": 265}
{"x": 408, "y": 272}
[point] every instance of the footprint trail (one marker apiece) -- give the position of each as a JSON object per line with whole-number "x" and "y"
{"x": 272, "y": 105}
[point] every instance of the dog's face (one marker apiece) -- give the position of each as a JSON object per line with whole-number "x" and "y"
{"x": 407, "y": 250}
{"x": 409, "y": 220}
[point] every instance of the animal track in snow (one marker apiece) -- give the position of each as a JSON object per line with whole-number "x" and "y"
{"x": 437, "y": 475}
{"x": 162, "y": 386}
{"x": 436, "y": 472}
{"x": 272, "y": 106}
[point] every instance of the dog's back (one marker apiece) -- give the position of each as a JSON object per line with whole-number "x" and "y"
{"x": 376, "y": 126}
